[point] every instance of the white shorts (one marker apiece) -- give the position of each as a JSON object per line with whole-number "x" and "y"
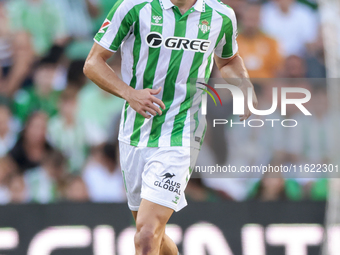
{"x": 159, "y": 175}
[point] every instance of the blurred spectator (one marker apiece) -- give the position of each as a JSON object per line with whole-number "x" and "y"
{"x": 31, "y": 147}
{"x": 66, "y": 132}
{"x": 292, "y": 24}
{"x": 16, "y": 54}
{"x": 311, "y": 141}
{"x": 75, "y": 190}
{"x": 103, "y": 177}
{"x": 319, "y": 190}
{"x": 104, "y": 7}
{"x": 7, "y": 168}
{"x": 273, "y": 187}
{"x": 237, "y": 5}
{"x": 315, "y": 59}
{"x": 17, "y": 189}
{"x": 107, "y": 105}
{"x": 45, "y": 183}
{"x": 40, "y": 19}
{"x": 41, "y": 97}
{"x": 259, "y": 52}
{"x": 196, "y": 191}
{"x": 77, "y": 14}
{"x": 75, "y": 75}
{"x": 294, "y": 67}
{"x": 70, "y": 134}
{"x": 6, "y": 37}
{"x": 8, "y": 131}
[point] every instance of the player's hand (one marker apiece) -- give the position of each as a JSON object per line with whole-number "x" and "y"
{"x": 247, "y": 113}
{"x": 143, "y": 101}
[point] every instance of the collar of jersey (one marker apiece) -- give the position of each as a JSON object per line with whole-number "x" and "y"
{"x": 198, "y": 6}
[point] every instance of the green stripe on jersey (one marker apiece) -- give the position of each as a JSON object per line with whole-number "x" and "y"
{"x": 170, "y": 80}
{"x": 228, "y": 33}
{"x": 177, "y": 132}
{"x": 150, "y": 69}
{"x": 124, "y": 27}
{"x": 136, "y": 53}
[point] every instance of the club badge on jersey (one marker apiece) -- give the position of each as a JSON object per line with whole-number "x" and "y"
{"x": 204, "y": 26}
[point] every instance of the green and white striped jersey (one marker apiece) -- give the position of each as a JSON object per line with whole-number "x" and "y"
{"x": 163, "y": 48}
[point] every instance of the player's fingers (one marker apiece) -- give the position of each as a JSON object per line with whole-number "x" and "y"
{"x": 159, "y": 102}
{"x": 155, "y": 91}
{"x": 245, "y": 117}
{"x": 156, "y": 108}
{"x": 151, "y": 110}
{"x": 144, "y": 114}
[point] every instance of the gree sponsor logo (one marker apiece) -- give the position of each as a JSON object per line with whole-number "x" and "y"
{"x": 156, "y": 40}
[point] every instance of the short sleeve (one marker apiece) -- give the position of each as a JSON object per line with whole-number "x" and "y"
{"x": 227, "y": 44}
{"x": 117, "y": 26}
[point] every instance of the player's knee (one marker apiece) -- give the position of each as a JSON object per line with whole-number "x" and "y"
{"x": 146, "y": 238}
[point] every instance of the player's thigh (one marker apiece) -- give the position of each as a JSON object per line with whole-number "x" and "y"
{"x": 134, "y": 214}
{"x": 132, "y": 166}
{"x": 165, "y": 176}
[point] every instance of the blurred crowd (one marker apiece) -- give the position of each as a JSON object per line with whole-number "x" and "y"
{"x": 58, "y": 131}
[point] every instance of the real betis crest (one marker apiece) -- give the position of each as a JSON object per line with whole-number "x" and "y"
{"x": 204, "y": 26}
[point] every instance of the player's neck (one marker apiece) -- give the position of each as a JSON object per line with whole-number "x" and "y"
{"x": 184, "y": 5}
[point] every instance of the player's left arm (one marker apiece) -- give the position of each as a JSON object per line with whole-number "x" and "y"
{"x": 229, "y": 62}
{"x": 235, "y": 73}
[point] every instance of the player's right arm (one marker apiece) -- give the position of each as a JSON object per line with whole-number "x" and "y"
{"x": 116, "y": 28}
{"x": 98, "y": 71}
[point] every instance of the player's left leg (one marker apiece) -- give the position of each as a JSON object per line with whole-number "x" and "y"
{"x": 168, "y": 247}
{"x": 150, "y": 238}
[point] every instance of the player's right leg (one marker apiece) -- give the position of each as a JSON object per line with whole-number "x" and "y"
{"x": 167, "y": 246}
{"x": 158, "y": 176}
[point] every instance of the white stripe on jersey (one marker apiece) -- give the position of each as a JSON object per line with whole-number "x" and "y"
{"x": 181, "y": 82}
{"x": 141, "y": 65}
{"x": 161, "y": 70}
